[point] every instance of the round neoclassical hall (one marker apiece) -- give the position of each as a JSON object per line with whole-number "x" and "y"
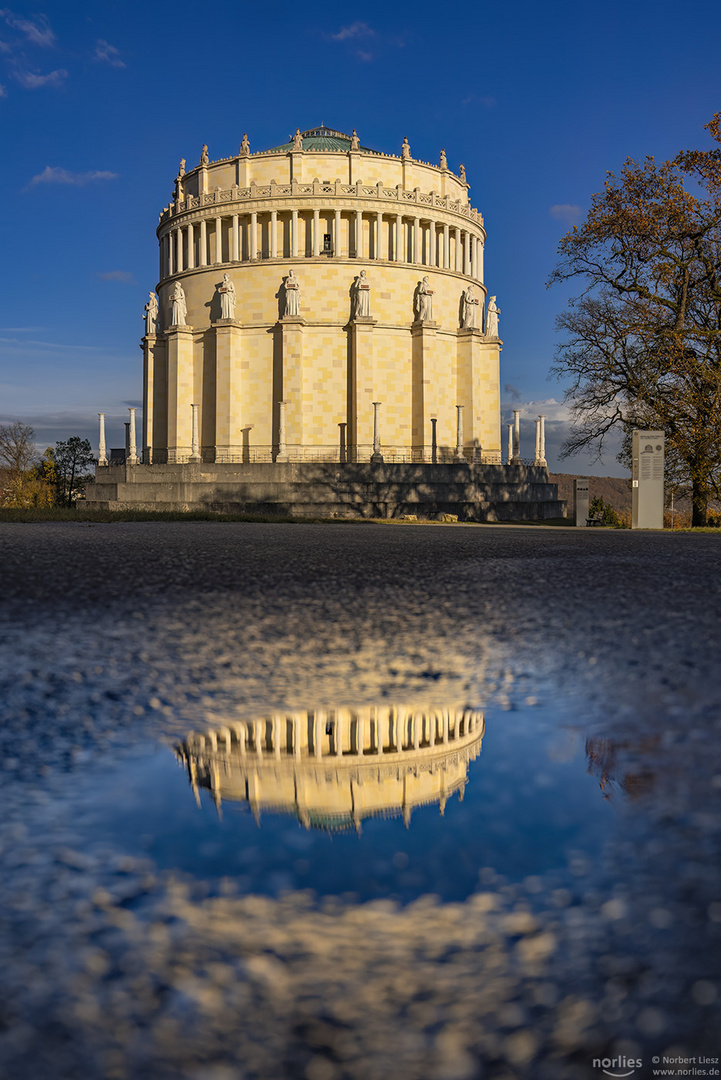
{"x": 314, "y": 295}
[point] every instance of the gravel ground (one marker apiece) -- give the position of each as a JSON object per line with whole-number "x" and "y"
{"x": 114, "y": 634}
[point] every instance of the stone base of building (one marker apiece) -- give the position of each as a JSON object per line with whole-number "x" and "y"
{"x": 326, "y": 489}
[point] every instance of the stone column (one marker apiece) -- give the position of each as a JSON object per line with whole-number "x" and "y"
{"x": 337, "y": 247}
{"x": 517, "y": 437}
{"x": 294, "y": 234}
{"x": 536, "y": 452}
{"x": 282, "y": 454}
{"x": 180, "y": 391}
{"x": 296, "y": 737}
{"x": 377, "y": 456}
{"x": 379, "y": 236}
{"x": 416, "y": 722}
{"x": 191, "y": 247}
{"x": 360, "y": 431}
{"x": 417, "y": 253}
{"x": 542, "y": 440}
{"x": 359, "y": 234}
{"x": 218, "y": 241}
{"x": 318, "y": 732}
{"x": 102, "y": 453}
{"x": 277, "y": 722}
{"x": 316, "y": 232}
{"x": 509, "y": 459}
{"x": 399, "y": 252}
{"x": 235, "y": 256}
{"x": 228, "y": 390}
{"x": 178, "y": 250}
{"x": 274, "y": 234}
{"x": 203, "y": 261}
{"x": 194, "y": 458}
{"x": 423, "y": 383}
{"x": 457, "y": 234}
{"x": 460, "y": 456}
{"x": 398, "y": 737}
{"x": 132, "y": 447}
{"x": 446, "y": 247}
{"x": 254, "y": 235}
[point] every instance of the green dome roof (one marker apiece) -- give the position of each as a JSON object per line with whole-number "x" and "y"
{"x": 321, "y": 138}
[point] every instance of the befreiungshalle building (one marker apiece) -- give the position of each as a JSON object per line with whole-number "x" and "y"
{"x": 322, "y": 304}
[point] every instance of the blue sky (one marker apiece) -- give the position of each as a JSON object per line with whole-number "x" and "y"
{"x": 100, "y": 101}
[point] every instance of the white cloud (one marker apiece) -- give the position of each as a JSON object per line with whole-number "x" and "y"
{"x": 37, "y": 32}
{"x": 117, "y": 275}
{"x": 353, "y": 32}
{"x": 31, "y": 81}
{"x": 568, "y": 213}
{"x": 107, "y": 54}
{"x": 56, "y": 175}
{"x": 486, "y": 100}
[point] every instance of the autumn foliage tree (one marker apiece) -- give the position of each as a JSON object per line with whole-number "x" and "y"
{"x": 642, "y": 344}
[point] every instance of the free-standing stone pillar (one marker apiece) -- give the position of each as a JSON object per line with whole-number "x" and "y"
{"x": 509, "y": 456}
{"x": 282, "y": 452}
{"x": 228, "y": 390}
{"x": 132, "y": 440}
{"x": 377, "y": 456}
{"x": 180, "y": 392}
{"x": 460, "y": 456}
{"x": 516, "y": 437}
{"x": 542, "y": 439}
{"x": 194, "y": 436}
{"x": 102, "y": 452}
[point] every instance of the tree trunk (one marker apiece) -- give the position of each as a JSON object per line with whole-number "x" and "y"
{"x": 699, "y": 499}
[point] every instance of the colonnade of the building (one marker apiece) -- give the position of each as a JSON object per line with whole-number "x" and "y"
{"x": 343, "y": 733}
{"x": 298, "y": 234}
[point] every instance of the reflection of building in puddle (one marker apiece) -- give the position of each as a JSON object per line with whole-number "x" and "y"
{"x": 332, "y": 768}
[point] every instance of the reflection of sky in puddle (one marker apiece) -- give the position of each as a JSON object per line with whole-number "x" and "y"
{"x": 528, "y": 807}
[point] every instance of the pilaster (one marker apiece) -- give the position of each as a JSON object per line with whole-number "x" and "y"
{"x": 423, "y": 407}
{"x": 228, "y": 389}
{"x": 148, "y": 347}
{"x": 292, "y": 394}
{"x": 180, "y": 392}
{"x": 362, "y": 381}
{"x": 478, "y": 389}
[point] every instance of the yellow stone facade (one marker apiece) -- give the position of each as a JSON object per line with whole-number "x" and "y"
{"x": 267, "y": 386}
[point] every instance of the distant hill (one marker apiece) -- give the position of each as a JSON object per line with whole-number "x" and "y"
{"x": 614, "y": 490}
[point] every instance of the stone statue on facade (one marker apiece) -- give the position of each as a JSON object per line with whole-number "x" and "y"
{"x": 297, "y": 140}
{"x": 181, "y": 167}
{"x": 470, "y": 307}
{"x": 406, "y": 149}
{"x": 444, "y": 160}
{"x": 492, "y": 318}
{"x": 292, "y": 295}
{"x": 151, "y": 315}
{"x": 204, "y": 159}
{"x": 227, "y": 298}
{"x": 178, "y": 308}
{"x": 424, "y": 301}
{"x": 245, "y": 145}
{"x": 362, "y": 297}
{"x": 354, "y": 141}
{"x": 462, "y": 173}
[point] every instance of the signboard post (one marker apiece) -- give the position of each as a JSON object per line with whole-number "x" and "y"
{"x": 647, "y": 480}
{"x": 580, "y": 500}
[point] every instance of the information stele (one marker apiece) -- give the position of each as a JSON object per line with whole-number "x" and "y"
{"x": 647, "y": 480}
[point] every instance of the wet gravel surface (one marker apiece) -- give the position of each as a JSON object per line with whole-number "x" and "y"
{"x": 118, "y": 635}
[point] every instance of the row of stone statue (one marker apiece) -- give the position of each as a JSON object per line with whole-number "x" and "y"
{"x": 297, "y": 143}
{"x": 289, "y": 295}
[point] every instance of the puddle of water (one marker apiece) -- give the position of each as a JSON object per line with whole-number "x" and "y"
{"x": 288, "y": 802}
